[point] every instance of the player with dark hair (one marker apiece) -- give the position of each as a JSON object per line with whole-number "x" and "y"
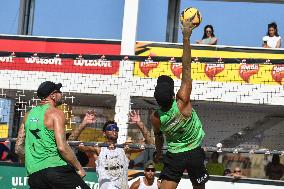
{"x": 178, "y": 121}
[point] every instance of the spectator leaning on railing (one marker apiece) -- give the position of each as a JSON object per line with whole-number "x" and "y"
{"x": 274, "y": 170}
{"x": 208, "y": 36}
{"x": 272, "y": 39}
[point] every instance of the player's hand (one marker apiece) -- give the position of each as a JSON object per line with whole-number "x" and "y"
{"x": 134, "y": 116}
{"x": 90, "y": 117}
{"x": 96, "y": 149}
{"x": 126, "y": 148}
{"x": 187, "y": 27}
{"x": 81, "y": 173}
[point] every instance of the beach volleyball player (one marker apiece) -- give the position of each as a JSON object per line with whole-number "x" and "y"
{"x": 49, "y": 160}
{"x": 178, "y": 121}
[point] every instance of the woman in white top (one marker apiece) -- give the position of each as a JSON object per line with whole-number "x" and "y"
{"x": 272, "y": 40}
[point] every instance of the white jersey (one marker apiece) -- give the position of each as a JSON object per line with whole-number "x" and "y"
{"x": 112, "y": 169}
{"x": 143, "y": 186}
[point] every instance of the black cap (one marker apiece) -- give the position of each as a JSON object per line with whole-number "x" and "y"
{"x": 46, "y": 88}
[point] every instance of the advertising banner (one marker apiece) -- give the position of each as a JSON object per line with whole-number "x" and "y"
{"x": 99, "y": 66}
{"x": 242, "y": 72}
{"x": 14, "y": 177}
{"x": 59, "y": 46}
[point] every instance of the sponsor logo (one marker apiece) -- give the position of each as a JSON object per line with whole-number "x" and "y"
{"x": 94, "y": 63}
{"x": 92, "y": 185}
{"x": 7, "y": 59}
{"x": 34, "y": 119}
{"x": 278, "y": 73}
{"x": 176, "y": 68}
{"x": 211, "y": 70}
{"x": 247, "y": 70}
{"x": 37, "y": 60}
{"x": 147, "y": 66}
{"x": 19, "y": 181}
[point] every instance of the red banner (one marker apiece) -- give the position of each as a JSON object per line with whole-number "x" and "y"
{"x": 98, "y": 66}
{"x": 58, "y": 45}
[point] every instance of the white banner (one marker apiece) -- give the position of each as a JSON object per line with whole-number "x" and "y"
{"x": 186, "y": 184}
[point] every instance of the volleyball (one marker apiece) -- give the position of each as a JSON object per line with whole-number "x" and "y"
{"x": 192, "y": 14}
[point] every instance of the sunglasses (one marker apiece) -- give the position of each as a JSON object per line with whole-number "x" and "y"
{"x": 239, "y": 171}
{"x": 208, "y": 31}
{"x": 112, "y": 127}
{"x": 150, "y": 169}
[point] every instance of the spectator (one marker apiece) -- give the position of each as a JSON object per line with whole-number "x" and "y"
{"x": 272, "y": 39}
{"x": 274, "y": 170}
{"x": 6, "y": 154}
{"x": 208, "y": 36}
{"x": 149, "y": 181}
{"x": 213, "y": 166}
{"x": 227, "y": 172}
{"x": 238, "y": 173}
{"x": 4, "y": 151}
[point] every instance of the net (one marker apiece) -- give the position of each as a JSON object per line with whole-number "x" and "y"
{"x": 236, "y": 99}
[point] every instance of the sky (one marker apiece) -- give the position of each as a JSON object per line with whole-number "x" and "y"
{"x": 235, "y": 24}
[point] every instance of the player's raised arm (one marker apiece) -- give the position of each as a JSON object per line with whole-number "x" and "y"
{"x": 186, "y": 81}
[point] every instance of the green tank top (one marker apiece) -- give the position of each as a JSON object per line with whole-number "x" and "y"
{"x": 40, "y": 146}
{"x": 182, "y": 133}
